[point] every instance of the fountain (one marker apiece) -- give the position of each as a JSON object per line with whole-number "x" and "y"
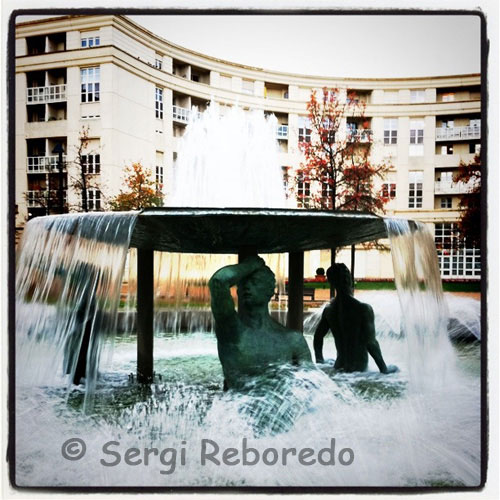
{"x": 418, "y": 427}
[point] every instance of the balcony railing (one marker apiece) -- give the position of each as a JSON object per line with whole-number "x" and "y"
{"x": 41, "y": 95}
{"x": 458, "y": 133}
{"x": 363, "y": 135}
{"x": 441, "y": 187}
{"x": 282, "y": 132}
{"x": 183, "y": 114}
{"x": 44, "y": 164}
{"x": 39, "y": 198}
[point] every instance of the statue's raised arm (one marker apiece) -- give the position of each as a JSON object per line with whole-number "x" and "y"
{"x": 250, "y": 341}
{"x": 222, "y": 304}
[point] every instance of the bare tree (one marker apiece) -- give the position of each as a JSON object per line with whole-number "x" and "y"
{"x": 88, "y": 170}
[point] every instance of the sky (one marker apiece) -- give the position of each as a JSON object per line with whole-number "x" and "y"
{"x": 358, "y": 46}
{"x": 371, "y": 46}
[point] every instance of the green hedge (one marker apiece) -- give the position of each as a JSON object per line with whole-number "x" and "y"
{"x": 452, "y": 286}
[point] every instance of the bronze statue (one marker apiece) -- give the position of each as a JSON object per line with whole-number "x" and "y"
{"x": 352, "y": 325}
{"x": 249, "y": 341}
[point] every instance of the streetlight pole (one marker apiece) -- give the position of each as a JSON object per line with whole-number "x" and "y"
{"x": 59, "y": 151}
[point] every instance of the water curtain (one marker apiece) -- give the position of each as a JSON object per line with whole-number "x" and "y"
{"x": 424, "y": 311}
{"x": 68, "y": 283}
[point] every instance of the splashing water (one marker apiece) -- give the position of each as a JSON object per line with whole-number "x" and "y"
{"x": 398, "y": 438}
{"x": 228, "y": 161}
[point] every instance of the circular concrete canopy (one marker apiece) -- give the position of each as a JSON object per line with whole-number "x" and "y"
{"x": 234, "y": 230}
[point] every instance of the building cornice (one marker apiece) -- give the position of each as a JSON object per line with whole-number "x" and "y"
{"x": 106, "y": 54}
{"x": 155, "y": 42}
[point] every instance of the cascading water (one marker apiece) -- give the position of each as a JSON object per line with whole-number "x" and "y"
{"x": 69, "y": 274}
{"x": 425, "y": 312}
{"x": 420, "y": 426}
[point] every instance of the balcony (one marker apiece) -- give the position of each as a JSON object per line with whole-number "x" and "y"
{"x": 183, "y": 114}
{"x": 441, "y": 187}
{"x": 49, "y": 128}
{"x": 38, "y": 198}
{"x": 458, "y": 133}
{"x": 452, "y": 161}
{"x": 363, "y": 135}
{"x": 44, "y": 164}
{"x": 41, "y": 95}
{"x": 282, "y": 132}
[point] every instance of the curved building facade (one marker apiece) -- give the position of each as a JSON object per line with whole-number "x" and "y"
{"x": 133, "y": 91}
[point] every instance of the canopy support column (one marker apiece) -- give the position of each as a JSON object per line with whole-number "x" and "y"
{"x": 295, "y": 318}
{"x": 145, "y": 313}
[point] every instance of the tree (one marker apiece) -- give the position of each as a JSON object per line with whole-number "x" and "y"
{"x": 142, "y": 191}
{"x": 469, "y": 225}
{"x": 88, "y": 165}
{"x": 338, "y": 161}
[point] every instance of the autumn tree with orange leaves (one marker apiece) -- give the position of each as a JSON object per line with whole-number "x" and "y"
{"x": 337, "y": 159}
{"x": 142, "y": 190}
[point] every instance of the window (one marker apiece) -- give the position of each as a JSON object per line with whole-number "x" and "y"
{"x": 445, "y": 179}
{"x": 91, "y": 164}
{"x": 158, "y": 63}
{"x": 474, "y": 148}
{"x": 159, "y": 103}
{"x": 159, "y": 178}
{"x": 475, "y": 123}
{"x": 303, "y": 190}
{"x": 446, "y": 202}
{"x": 391, "y": 96}
{"x": 90, "y": 78}
{"x": 352, "y": 127}
{"x": 391, "y": 131}
{"x": 455, "y": 258}
{"x": 447, "y": 150}
{"x": 448, "y": 97}
{"x": 415, "y": 194}
{"x": 329, "y": 128}
{"x": 326, "y": 193}
{"x": 329, "y": 95}
{"x": 90, "y": 41}
{"x": 389, "y": 190}
{"x": 417, "y": 96}
{"x": 447, "y": 124}
{"x": 416, "y": 137}
{"x": 286, "y": 177}
{"x": 304, "y": 129}
{"x": 93, "y": 199}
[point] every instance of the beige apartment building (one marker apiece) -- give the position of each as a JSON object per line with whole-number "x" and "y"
{"x": 134, "y": 91}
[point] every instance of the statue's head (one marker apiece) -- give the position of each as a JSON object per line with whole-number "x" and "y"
{"x": 258, "y": 288}
{"x": 340, "y": 276}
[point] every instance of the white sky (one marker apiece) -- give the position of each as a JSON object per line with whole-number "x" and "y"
{"x": 371, "y": 46}
{"x": 375, "y": 46}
